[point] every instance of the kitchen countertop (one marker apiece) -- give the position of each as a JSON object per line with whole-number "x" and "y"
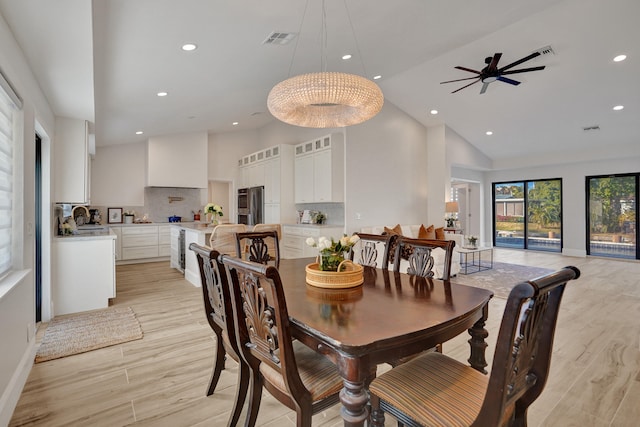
{"x": 200, "y": 227}
{"x": 104, "y": 233}
{"x": 315, "y": 225}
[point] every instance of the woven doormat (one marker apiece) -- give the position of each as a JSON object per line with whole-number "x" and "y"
{"x": 81, "y": 332}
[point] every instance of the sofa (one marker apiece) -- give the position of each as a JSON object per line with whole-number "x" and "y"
{"x": 438, "y": 254}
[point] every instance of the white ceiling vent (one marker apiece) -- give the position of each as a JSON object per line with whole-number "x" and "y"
{"x": 590, "y": 128}
{"x": 279, "y": 38}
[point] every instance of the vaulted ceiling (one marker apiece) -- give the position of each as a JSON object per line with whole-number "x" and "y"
{"x": 105, "y": 61}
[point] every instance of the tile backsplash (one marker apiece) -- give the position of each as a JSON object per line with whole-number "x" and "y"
{"x": 162, "y": 202}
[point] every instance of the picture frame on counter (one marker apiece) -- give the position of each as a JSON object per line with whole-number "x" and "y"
{"x": 114, "y": 215}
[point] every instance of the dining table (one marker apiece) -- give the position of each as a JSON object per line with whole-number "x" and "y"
{"x": 388, "y": 317}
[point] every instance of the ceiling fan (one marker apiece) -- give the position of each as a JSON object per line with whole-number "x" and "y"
{"x": 491, "y": 72}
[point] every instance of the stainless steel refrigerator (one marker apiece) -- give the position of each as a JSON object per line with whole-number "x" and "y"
{"x": 251, "y": 205}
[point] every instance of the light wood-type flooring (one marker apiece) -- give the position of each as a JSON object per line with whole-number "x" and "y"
{"x": 161, "y": 379}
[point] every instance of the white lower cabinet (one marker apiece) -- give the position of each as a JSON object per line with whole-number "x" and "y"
{"x": 293, "y": 244}
{"x": 83, "y": 274}
{"x": 139, "y": 242}
{"x": 164, "y": 240}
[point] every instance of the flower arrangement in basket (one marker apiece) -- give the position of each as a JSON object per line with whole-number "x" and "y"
{"x": 332, "y": 252}
{"x": 214, "y": 210}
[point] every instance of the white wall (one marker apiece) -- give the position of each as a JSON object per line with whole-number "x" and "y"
{"x": 386, "y": 171}
{"x": 118, "y": 175}
{"x": 17, "y": 302}
{"x": 573, "y": 192}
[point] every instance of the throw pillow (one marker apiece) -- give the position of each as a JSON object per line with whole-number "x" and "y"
{"x": 395, "y": 230}
{"x": 440, "y": 233}
{"x": 427, "y": 233}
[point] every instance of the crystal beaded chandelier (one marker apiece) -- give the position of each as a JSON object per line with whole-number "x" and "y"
{"x": 325, "y": 99}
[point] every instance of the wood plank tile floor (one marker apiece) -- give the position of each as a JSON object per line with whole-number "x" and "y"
{"x": 161, "y": 380}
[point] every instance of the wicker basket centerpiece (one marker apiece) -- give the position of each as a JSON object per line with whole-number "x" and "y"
{"x": 348, "y": 275}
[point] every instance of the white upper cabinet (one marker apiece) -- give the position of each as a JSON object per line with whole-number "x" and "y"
{"x": 71, "y": 161}
{"x": 178, "y": 161}
{"x": 273, "y": 169}
{"x": 319, "y": 170}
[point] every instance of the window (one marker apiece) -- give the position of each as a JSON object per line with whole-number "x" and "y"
{"x": 528, "y": 214}
{"x": 612, "y": 216}
{"x": 9, "y": 102}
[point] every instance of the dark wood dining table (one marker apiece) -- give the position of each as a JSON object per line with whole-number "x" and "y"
{"x": 390, "y": 316}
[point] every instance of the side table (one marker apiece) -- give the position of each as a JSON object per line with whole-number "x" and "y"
{"x": 473, "y": 260}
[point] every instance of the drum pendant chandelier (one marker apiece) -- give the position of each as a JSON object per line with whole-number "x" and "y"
{"x": 325, "y": 99}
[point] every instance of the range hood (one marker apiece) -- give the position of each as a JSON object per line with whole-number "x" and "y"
{"x": 178, "y": 161}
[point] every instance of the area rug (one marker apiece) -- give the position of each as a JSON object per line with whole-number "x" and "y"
{"x": 78, "y": 333}
{"x": 501, "y": 278}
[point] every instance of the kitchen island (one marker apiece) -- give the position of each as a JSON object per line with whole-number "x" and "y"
{"x": 84, "y": 271}
{"x": 194, "y": 232}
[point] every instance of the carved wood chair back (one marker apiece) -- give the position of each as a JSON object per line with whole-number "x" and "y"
{"x": 278, "y": 362}
{"x": 219, "y": 313}
{"x": 366, "y": 251}
{"x": 518, "y": 374}
{"x": 270, "y": 227}
{"x": 419, "y": 254}
{"x": 255, "y": 245}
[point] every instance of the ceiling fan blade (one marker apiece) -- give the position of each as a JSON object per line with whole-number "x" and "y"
{"x": 493, "y": 65}
{"x": 519, "y": 61}
{"x": 467, "y": 69}
{"x": 507, "y": 80}
{"x": 459, "y": 80}
{"x": 484, "y": 88}
{"x": 523, "y": 70}
{"x": 472, "y": 83}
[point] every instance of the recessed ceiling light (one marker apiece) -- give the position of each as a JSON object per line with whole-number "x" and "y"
{"x": 620, "y": 58}
{"x": 235, "y": 123}
{"x": 189, "y": 47}
{"x": 139, "y": 132}
{"x": 163, "y": 93}
{"x": 347, "y": 56}
{"x": 377, "y": 77}
{"x": 618, "y": 107}
{"x": 434, "y": 112}
{"x": 489, "y": 133}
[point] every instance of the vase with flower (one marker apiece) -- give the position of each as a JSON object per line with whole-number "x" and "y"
{"x": 332, "y": 253}
{"x": 215, "y": 211}
{"x": 472, "y": 241}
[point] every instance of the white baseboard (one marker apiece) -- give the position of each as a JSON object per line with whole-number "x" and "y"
{"x": 574, "y": 252}
{"x": 11, "y": 394}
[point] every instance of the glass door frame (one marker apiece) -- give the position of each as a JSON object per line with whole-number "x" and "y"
{"x": 525, "y": 186}
{"x": 588, "y": 210}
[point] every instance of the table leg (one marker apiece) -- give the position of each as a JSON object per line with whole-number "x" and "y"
{"x": 354, "y": 399}
{"x": 477, "y": 342}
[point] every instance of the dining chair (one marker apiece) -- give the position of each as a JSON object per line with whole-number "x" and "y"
{"x": 254, "y": 246}
{"x": 270, "y": 227}
{"x": 366, "y": 250}
{"x": 434, "y": 389}
{"x": 420, "y": 255}
{"x": 219, "y": 313}
{"x": 223, "y": 237}
{"x": 294, "y": 374}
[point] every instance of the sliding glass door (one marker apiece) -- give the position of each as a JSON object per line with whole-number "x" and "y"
{"x": 612, "y": 220}
{"x": 528, "y": 214}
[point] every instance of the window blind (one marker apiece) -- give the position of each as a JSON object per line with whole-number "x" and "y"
{"x": 6, "y": 180}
